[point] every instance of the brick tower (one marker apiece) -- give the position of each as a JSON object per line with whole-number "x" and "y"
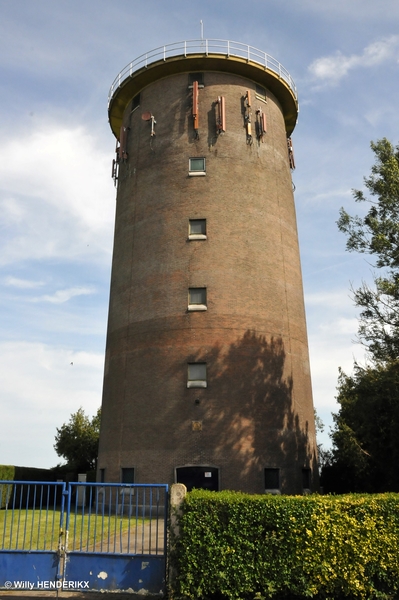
{"x": 207, "y": 376}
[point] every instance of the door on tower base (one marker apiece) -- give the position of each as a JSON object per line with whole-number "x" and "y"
{"x": 205, "y": 478}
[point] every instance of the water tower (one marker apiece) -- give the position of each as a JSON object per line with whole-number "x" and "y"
{"x": 207, "y": 377}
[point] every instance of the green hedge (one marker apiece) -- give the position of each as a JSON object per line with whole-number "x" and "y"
{"x": 237, "y": 546}
{"x": 12, "y": 473}
{"x": 33, "y": 474}
{"x": 6, "y": 474}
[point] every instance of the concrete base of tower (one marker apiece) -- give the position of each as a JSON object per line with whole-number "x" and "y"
{"x": 276, "y": 481}
{"x": 275, "y": 474}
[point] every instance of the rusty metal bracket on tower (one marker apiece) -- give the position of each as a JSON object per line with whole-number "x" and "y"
{"x": 121, "y": 151}
{"x": 291, "y": 157}
{"x": 195, "y": 109}
{"x": 221, "y": 115}
{"x": 247, "y": 116}
{"x": 147, "y": 116}
{"x": 260, "y": 124}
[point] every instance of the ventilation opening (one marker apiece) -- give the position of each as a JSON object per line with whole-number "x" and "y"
{"x": 196, "y": 77}
{"x": 136, "y": 102}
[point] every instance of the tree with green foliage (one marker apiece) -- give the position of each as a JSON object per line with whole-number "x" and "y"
{"x": 377, "y": 234}
{"x": 77, "y": 441}
{"x": 365, "y": 436}
{"x": 365, "y": 439}
{"x": 324, "y": 455}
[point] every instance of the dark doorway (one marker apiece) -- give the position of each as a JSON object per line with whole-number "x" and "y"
{"x": 205, "y": 478}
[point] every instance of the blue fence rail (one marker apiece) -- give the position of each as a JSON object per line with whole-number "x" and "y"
{"x": 109, "y": 536}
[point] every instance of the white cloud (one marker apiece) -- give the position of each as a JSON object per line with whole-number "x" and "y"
{"x": 42, "y": 389}
{"x": 56, "y": 196}
{"x": 342, "y": 325}
{"x": 358, "y": 10}
{"x": 329, "y": 70}
{"x": 12, "y": 211}
{"x": 329, "y": 195}
{"x": 22, "y": 283}
{"x": 334, "y": 299}
{"x": 62, "y": 296}
{"x": 327, "y": 353}
{"x": 330, "y": 348}
{"x": 332, "y": 330}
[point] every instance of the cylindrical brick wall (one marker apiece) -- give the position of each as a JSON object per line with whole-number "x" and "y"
{"x": 256, "y": 411}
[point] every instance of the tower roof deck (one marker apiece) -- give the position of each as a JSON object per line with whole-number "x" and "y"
{"x": 200, "y": 55}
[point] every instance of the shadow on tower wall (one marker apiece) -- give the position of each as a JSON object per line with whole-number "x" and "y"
{"x": 247, "y": 416}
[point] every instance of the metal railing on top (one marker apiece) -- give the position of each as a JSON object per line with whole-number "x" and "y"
{"x": 205, "y": 47}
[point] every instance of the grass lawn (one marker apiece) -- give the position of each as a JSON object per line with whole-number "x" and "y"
{"x": 28, "y": 529}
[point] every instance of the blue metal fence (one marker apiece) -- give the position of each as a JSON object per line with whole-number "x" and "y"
{"x": 83, "y": 536}
{"x": 117, "y": 536}
{"x": 31, "y": 534}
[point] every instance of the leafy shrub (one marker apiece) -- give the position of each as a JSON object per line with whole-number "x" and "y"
{"x": 11, "y": 473}
{"x": 6, "y": 474}
{"x": 237, "y": 546}
{"x": 33, "y": 474}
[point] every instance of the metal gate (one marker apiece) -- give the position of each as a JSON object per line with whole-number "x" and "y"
{"x": 31, "y": 517}
{"x": 83, "y": 536}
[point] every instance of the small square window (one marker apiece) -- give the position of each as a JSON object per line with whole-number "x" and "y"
{"x": 272, "y": 481}
{"x": 197, "y": 229}
{"x": 127, "y": 475}
{"x": 197, "y": 299}
{"x": 196, "y": 166}
{"x": 196, "y": 375}
{"x": 260, "y": 92}
{"x": 306, "y": 478}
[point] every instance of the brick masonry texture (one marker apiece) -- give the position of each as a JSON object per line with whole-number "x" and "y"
{"x": 257, "y": 409}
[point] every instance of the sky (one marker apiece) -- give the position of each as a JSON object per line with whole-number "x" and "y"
{"x": 58, "y": 59}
